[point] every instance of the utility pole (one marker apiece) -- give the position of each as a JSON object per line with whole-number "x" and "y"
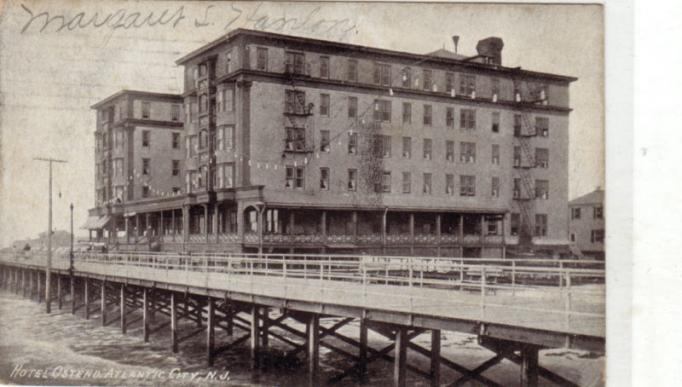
{"x": 48, "y": 265}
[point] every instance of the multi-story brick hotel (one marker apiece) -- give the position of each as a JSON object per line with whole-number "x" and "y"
{"x": 297, "y": 144}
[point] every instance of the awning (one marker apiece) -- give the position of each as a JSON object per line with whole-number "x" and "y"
{"x": 96, "y": 222}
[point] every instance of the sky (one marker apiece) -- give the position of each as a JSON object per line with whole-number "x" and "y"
{"x": 52, "y": 72}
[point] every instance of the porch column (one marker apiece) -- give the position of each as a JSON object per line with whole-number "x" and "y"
{"x": 215, "y": 222}
{"x": 161, "y": 227}
{"x": 261, "y": 211}
{"x": 460, "y": 234}
{"x": 412, "y": 233}
{"x": 185, "y": 224}
{"x": 383, "y": 230}
{"x": 482, "y": 228}
{"x": 173, "y": 228}
{"x": 292, "y": 222}
{"x": 354, "y": 221}
{"x": 504, "y": 242}
{"x": 323, "y": 228}
{"x": 127, "y": 220}
{"x": 206, "y": 221}
{"x": 438, "y": 231}
{"x": 147, "y": 225}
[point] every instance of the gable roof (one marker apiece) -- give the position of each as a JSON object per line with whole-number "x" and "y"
{"x": 594, "y": 197}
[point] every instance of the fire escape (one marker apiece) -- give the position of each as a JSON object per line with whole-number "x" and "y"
{"x": 206, "y": 95}
{"x": 524, "y": 162}
{"x": 299, "y": 137}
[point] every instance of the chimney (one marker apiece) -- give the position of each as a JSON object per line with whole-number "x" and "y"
{"x": 455, "y": 40}
{"x": 491, "y": 49}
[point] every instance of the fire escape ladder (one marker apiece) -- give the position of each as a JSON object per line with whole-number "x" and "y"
{"x": 527, "y": 194}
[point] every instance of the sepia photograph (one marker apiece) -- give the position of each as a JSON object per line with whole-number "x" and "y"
{"x": 302, "y": 193}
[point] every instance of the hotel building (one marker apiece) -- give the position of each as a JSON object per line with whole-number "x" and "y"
{"x": 297, "y": 144}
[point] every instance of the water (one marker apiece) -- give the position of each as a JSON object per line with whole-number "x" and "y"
{"x": 41, "y": 349}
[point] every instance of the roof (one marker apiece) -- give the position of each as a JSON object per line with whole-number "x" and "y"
{"x": 137, "y": 93}
{"x": 432, "y": 57}
{"x": 594, "y": 197}
{"x": 443, "y": 53}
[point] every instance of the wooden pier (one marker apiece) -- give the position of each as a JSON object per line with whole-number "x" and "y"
{"x": 515, "y": 307}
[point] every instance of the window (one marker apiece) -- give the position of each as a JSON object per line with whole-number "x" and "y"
{"x": 597, "y": 236}
{"x": 598, "y": 212}
{"x": 467, "y": 119}
{"x": 467, "y": 152}
{"x": 325, "y": 145}
{"x": 295, "y": 140}
{"x": 517, "y": 156}
{"x": 145, "y": 138}
{"x": 542, "y": 189}
{"x": 542, "y": 157}
{"x": 324, "y": 67}
{"x": 407, "y": 113}
{"x": 226, "y": 100}
{"x": 426, "y": 189}
{"x": 517, "y": 188}
{"x": 294, "y": 102}
{"x": 540, "y": 224}
{"x": 145, "y": 191}
{"x": 572, "y": 237}
{"x": 324, "y": 105}
{"x": 496, "y": 122}
{"x": 294, "y": 63}
{"x": 385, "y": 184}
{"x": 175, "y": 167}
{"x": 294, "y": 177}
{"x": 428, "y": 115}
{"x": 517, "y": 125}
{"x": 542, "y": 126}
{"x": 175, "y": 140}
{"x": 450, "y": 117}
{"x": 495, "y": 187}
{"x": 146, "y": 110}
{"x": 202, "y": 70}
{"x": 118, "y": 167}
{"x": 324, "y": 179}
{"x": 352, "y": 179}
{"x": 175, "y": 112}
{"x": 407, "y": 147}
{"x": 575, "y": 213}
{"x": 228, "y": 62}
{"x": 382, "y": 146}
{"x": 495, "y": 88}
{"x": 407, "y": 182}
{"x": 515, "y": 224}
{"x": 203, "y": 139}
{"x": 450, "y": 150}
{"x": 352, "y": 143}
{"x": 467, "y": 185}
{"x": 492, "y": 226}
{"x": 449, "y": 82}
{"x": 146, "y": 167}
{"x": 496, "y": 154}
{"x": 225, "y": 176}
{"x": 262, "y": 59}
{"x": 382, "y": 74}
{"x": 352, "y": 107}
{"x": 449, "y": 184}
{"x": 352, "y": 70}
{"x": 427, "y": 148}
{"x": 203, "y": 103}
{"x": 407, "y": 77}
{"x": 382, "y": 110}
{"x": 428, "y": 79}
{"x": 192, "y": 145}
{"x": 467, "y": 85}
{"x": 225, "y": 137}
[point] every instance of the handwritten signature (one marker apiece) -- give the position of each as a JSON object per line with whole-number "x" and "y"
{"x": 174, "y": 17}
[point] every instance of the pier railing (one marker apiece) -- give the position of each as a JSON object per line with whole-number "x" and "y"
{"x": 564, "y": 294}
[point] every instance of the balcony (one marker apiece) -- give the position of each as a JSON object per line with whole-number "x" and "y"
{"x": 297, "y": 146}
